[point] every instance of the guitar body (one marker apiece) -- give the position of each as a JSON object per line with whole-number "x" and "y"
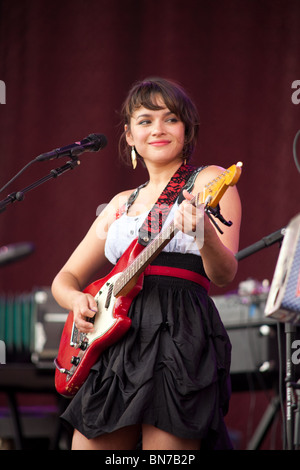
{"x": 78, "y": 352}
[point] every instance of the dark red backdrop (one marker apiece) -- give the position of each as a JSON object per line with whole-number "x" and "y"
{"x": 67, "y": 66}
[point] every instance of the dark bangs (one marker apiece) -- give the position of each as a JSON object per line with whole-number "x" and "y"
{"x": 146, "y": 94}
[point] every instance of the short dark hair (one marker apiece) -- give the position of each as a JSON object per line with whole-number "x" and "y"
{"x": 143, "y": 93}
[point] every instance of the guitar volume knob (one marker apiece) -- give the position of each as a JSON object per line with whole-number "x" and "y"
{"x": 83, "y": 345}
{"x": 75, "y": 360}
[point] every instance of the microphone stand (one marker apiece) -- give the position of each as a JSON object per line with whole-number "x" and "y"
{"x": 292, "y": 422}
{"x": 263, "y": 243}
{"x": 19, "y": 195}
{"x": 290, "y": 386}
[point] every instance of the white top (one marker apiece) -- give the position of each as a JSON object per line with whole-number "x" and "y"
{"x": 125, "y": 229}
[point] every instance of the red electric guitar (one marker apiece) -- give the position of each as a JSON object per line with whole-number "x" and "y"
{"x": 114, "y": 293}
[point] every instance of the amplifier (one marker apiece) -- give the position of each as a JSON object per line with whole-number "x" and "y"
{"x": 238, "y": 310}
{"x": 283, "y": 302}
{"x": 254, "y": 349}
{"x": 253, "y": 337}
{"x": 49, "y": 323}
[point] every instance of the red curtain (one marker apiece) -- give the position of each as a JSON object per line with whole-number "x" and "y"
{"x": 67, "y": 66}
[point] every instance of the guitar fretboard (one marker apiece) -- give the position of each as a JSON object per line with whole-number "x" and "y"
{"x": 145, "y": 257}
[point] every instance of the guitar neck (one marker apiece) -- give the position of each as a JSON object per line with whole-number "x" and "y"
{"x": 149, "y": 253}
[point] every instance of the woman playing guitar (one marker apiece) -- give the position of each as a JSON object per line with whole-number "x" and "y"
{"x": 166, "y": 379}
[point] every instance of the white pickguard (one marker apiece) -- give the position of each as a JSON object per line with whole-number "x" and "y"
{"x": 104, "y": 319}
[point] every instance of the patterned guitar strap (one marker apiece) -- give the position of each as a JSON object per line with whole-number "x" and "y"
{"x": 184, "y": 178}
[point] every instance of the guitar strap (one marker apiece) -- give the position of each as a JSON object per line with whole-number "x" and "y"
{"x": 183, "y": 179}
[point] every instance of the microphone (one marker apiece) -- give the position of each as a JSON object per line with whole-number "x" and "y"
{"x": 92, "y": 143}
{"x": 15, "y": 251}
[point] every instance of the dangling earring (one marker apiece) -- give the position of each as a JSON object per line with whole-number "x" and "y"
{"x": 133, "y": 158}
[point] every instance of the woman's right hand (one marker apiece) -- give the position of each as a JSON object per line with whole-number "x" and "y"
{"x": 84, "y": 307}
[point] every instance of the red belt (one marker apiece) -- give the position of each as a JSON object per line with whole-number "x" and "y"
{"x": 177, "y": 272}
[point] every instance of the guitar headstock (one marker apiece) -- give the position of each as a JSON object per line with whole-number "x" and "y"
{"x": 215, "y": 189}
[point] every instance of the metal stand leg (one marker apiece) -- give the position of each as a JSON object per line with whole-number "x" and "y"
{"x": 264, "y": 424}
{"x": 18, "y": 435}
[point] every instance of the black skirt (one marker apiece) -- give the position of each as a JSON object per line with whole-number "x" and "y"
{"x": 171, "y": 369}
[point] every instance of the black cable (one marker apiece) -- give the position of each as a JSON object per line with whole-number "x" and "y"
{"x": 17, "y": 175}
{"x": 295, "y": 151}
